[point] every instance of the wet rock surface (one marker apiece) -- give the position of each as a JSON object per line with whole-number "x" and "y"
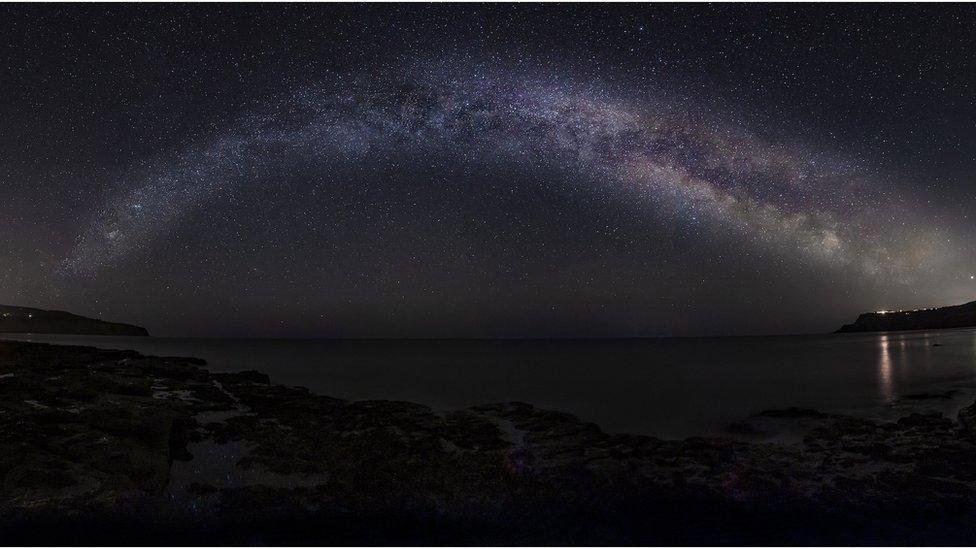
{"x": 113, "y": 447}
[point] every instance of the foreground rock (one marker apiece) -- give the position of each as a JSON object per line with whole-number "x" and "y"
{"x": 113, "y": 447}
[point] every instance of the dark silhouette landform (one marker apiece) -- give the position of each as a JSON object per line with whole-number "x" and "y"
{"x": 958, "y": 316}
{"x": 38, "y": 321}
{"x": 113, "y": 447}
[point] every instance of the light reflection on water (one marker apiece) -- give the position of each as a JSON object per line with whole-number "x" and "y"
{"x": 906, "y": 357}
{"x": 669, "y": 388}
{"x": 884, "y": 368}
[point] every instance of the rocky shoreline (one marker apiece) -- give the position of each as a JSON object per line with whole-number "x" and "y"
{"x": 102, "y": 446}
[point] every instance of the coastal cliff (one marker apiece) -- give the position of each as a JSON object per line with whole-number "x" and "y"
{"x": 112, "y": 447}
{"x": 958, "y": 316}
{"x": 38, "y": 321}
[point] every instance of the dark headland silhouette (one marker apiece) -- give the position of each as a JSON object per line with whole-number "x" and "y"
{"x": 957, "y": 316}
{"x": 40, "y": 321}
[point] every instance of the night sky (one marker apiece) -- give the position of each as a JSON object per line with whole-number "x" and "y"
{"x": 488, "y": 171}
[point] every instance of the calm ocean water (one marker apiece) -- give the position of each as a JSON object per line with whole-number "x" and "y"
{"x": 663, "y": 387}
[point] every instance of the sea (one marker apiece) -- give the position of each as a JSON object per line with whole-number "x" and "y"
{"x": 668, "y": 387}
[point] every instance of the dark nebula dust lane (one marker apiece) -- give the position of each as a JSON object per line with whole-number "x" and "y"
{"x": 476, "y": 191}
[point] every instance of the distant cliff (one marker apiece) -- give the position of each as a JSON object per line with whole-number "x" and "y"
{"x": 958, "y": 316}
{"x": 39, "y": 321}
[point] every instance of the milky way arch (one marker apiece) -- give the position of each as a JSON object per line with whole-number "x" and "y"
{"x": 803, "y": 201}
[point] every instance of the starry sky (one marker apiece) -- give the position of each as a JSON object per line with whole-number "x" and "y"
{"x": 487, "y": 170}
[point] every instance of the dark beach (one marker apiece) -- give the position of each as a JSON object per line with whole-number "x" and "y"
{"x": 111, "y": 447}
